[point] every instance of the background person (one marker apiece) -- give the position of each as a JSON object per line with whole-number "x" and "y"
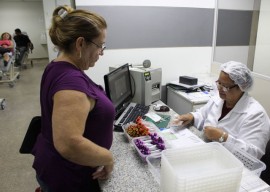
{"x": 7, "y": 43}
{"x": 72, "y": 151}
{"x": 23, "y": 44}
{"x": 234, "y": 117}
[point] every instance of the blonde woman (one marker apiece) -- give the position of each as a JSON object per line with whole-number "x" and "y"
{"x": 72, "y": 151}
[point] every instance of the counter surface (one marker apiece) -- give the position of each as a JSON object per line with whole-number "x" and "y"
{"x": 130, "y": 171}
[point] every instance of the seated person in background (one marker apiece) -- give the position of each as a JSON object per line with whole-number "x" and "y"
{"x": 6, "y": 43}
{"x": 234, "y": 117}
{"x": 23, "y": 44}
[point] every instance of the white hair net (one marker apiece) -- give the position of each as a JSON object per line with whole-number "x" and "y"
{"x": 239, "y": 73}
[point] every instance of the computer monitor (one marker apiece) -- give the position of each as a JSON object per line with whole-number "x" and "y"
{"x": 118, "y": 87}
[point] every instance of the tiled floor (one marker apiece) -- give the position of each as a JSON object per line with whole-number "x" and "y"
{"x": 22, "y": 103}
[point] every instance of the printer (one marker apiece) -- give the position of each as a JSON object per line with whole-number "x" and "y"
{"x": 146, "y": 84}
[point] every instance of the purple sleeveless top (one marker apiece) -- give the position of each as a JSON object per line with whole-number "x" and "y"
{"x": 58, "y": 173}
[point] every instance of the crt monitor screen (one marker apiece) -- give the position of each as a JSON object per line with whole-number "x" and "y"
{"x": 118, "y": 86}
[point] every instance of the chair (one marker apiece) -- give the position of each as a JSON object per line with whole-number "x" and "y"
{"x": 265, "y": 175}
{"x": 38, "y": 189}
{"x": 7, "y": 72}
{"x": 30, "y": 138}
{"x": 31, "y": 135}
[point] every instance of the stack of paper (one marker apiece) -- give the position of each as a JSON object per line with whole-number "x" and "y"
{"x": 180, "y": 138}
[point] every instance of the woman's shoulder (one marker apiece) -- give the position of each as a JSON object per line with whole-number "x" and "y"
{"x": 253, "y": 106}
{"x": 249, "y": 100}
{"x": 63, "y": 65}
{"x": 65, "y": 71}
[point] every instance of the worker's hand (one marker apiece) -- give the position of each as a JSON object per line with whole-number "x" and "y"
{"x": 103, "y": 172}
{"x": 185, "y": 119}
{"x": 214, "y": 133}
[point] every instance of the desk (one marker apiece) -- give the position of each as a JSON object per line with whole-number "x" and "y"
{"x": 130, "y": 172}
{"x": 182, "y": 102}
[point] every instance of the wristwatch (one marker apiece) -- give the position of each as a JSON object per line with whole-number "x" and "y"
{"x": 221, "y": 139}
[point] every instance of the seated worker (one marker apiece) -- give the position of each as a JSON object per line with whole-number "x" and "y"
{"x": 23, "y": 44}
{"x": 6, "y": 43}
{"x": 234, "y": 117}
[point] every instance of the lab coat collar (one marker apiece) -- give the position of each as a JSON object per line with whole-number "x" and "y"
{"x": 240, "y": 106}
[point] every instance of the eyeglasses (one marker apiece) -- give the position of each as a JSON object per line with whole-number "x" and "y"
{"x": 102, "y": 47}
{"x": 225, "y": 89}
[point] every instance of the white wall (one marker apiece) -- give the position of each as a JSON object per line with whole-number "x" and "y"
{"x": 159, "y": 3}
{"x": 260, "y": 90}
{"x": 237, "y": 53}
{"x": 28, "y": 16}
{"x": 231, "y": 53}
{"x": 262, "y": 51}
{"x": 173, "y": 61}
{"x": 236, "y": 4}
{"x": 261, "y": 66}
{"x": 49, "y": 7}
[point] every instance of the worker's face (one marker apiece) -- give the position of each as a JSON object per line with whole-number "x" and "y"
{"x": 227, "y": 89}
{"x": 92, "y": 50}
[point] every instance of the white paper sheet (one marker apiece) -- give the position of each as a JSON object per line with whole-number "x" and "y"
{"x": 180, "y": 138}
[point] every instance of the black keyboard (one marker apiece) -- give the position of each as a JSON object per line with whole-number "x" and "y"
{"x": 131, "y": 114}
{"x": 139, "y": 110}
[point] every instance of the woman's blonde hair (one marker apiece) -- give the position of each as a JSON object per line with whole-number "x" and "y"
{"x": 69, "y": 24}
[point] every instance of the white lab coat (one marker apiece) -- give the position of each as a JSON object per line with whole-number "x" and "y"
{"x": 247, "y": 124}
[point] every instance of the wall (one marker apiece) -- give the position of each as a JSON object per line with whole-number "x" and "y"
{"x": 262, "y": 56}
{"x": 234, "y": 23}
{"x": 49, "y": 7}
{"x": 28, "y": 16}
{"x": 260, "y": 90}
{"x": 246, "y": 54}
{"x": 175, "y": 60}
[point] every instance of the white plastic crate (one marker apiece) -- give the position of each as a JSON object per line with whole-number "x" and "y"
{"x": 208, "y": 167}
{"x": 253, "y": 168}
{"x": 154, "y": 165}
{"x": 251, "y": 163}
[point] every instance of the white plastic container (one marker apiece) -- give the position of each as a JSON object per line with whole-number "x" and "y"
{"x": 147, "y": 142}
{"x": 152, "y": 129}
{"x": 154, "y": 165}
{"x": 208, "y": 167}
{"x": 251, "y": 163}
